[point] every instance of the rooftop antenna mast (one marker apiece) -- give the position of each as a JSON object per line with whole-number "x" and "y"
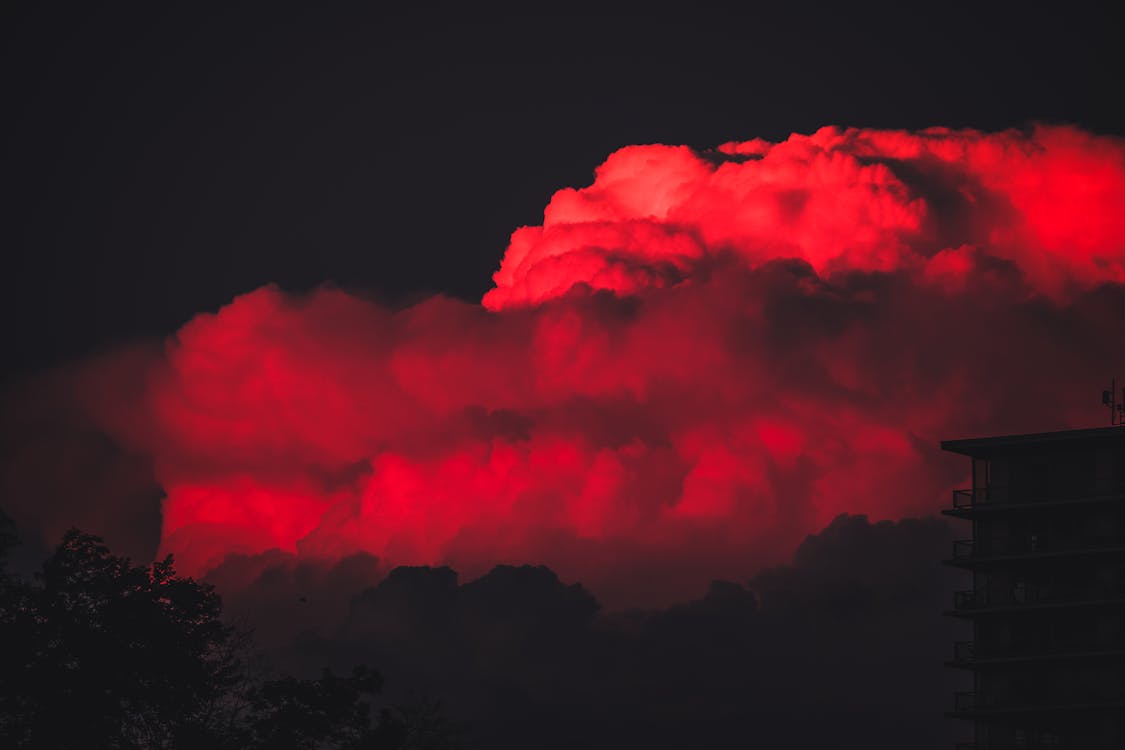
{"x": 1116, "y": 408}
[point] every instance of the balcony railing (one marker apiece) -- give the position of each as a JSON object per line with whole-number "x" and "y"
{"x": 1002, "y": 497}
{"x": 967, "y": 550}
{"x": 970, "y": 599}
{"x": 964, "y": 499}
{"x": 969, "y": 652}
{"x": 966, "y": 702}
{"x": 963, "y": 549}
{"x": 1028, "y": 596}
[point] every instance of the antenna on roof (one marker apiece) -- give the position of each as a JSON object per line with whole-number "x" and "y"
{"x": 1116, "y": 408}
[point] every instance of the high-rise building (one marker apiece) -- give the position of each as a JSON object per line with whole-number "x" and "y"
{"x": 1047, "y": 602}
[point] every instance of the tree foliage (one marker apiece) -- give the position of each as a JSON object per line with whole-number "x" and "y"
{"x": 99, "y": 652}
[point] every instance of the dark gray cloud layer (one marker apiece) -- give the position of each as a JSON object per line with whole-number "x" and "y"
{"x": 844, "y": 646}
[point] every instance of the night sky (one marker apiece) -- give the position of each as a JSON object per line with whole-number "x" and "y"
{"x": 665, "y": 316}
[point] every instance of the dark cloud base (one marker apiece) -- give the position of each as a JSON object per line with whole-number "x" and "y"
{"x": 843, "y": 646}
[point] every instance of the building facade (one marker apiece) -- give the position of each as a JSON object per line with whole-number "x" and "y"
{"x": 1047, "y": 598}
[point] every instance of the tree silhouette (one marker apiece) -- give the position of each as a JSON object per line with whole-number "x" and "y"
{"x": 307, "y": 714}
{"x": 98, "y": 652}
{"x": 109, "y": 654}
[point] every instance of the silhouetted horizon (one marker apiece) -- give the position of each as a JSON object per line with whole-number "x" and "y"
{"x": 511, "y": 653}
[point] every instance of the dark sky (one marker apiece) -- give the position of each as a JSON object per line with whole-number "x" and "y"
{"x": 158, "y": 162}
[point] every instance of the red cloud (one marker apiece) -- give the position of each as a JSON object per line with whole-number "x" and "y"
{"x": 692, "y": 363}
{"x": 842, "y": 200}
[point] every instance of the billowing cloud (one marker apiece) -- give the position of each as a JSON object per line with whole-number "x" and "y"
{"x": 936, "y": 205}
{"x": 690, "y": 365}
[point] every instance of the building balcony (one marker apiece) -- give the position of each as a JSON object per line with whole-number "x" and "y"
{"x": 970, "y": 552}
{"x": 981, "y": 601}
{"x": 967, "y": 655}
{"x": 970, "y": 503}
{"x": 981, "y": 705}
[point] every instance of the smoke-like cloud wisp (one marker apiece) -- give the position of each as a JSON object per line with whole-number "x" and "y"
{"x": 690, "y": 365}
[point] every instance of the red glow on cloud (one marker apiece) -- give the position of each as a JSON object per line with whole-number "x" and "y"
{"x": 842, "y": 200}
{"x": 691, "y": 364}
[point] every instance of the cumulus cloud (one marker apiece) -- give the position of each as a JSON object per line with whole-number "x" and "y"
{"x": 934, "y": 204}
{"x": 688, "y": 366}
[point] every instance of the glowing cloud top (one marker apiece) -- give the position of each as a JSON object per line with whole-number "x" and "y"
{"x": 842, "y": 200}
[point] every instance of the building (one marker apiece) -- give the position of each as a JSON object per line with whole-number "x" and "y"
{"x": 1047, "y": 602}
